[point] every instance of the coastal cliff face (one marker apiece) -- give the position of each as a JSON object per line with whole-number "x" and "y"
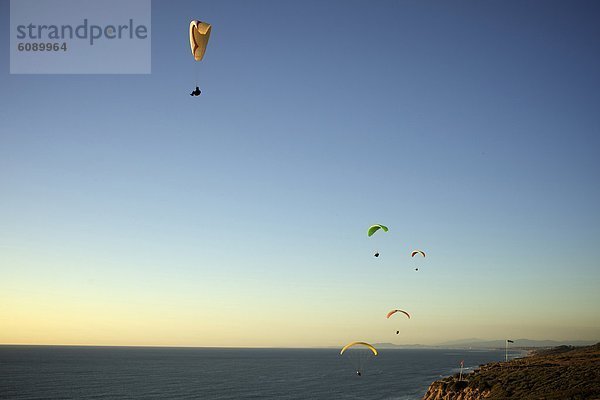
{"x": 453, "y": 389}
{"x": 559, "y": 374}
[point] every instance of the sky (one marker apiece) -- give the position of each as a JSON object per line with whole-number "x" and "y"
{"x": 134, "y": 214}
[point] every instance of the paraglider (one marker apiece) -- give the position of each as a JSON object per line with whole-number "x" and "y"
{"x": 419, "y": 252}
{"x": 397, "y": 311}
{"x": 359, "y": 353}
{"x": 199, "y": 35}
{"x": 372, "y": 230}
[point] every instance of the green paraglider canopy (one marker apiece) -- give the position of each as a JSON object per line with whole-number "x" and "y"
{"x": 375, "y": 228}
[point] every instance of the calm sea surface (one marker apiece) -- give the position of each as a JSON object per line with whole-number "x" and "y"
{"x": 47, "y": 372}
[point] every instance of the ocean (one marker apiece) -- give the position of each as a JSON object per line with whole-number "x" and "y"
{"x": 72, "y": 372}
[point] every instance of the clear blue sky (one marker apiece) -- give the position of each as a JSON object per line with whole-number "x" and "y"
{"x": 132, "y": 213}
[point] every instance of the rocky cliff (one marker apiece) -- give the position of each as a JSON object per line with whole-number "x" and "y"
{"x": 558, "y": 374}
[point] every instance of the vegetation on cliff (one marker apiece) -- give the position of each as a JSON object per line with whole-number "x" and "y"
{"x": 561, "y": 373}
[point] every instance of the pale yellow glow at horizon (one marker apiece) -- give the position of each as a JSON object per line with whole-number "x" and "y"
{"x": 56, "y": 301}
{"x": 61, "y": 320}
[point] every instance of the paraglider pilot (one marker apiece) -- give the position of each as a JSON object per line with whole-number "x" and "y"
{"x": 196, "y": 92}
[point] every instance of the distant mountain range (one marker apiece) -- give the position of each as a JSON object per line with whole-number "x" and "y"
{"x": 489, "y": 344}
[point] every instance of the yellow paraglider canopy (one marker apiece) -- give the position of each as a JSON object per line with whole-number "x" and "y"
{"x": 199, "y": 35}
{"x": 373, "y": 349}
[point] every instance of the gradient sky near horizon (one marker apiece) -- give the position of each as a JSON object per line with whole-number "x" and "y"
{"x": 134, "y": 214}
